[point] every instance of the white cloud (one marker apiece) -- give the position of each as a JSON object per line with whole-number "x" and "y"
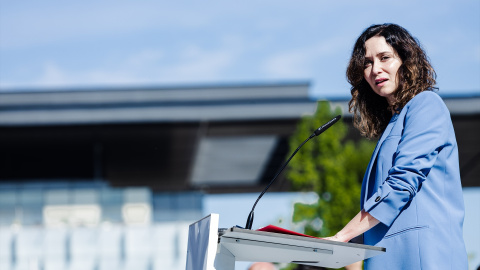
{"x": 199, "y": 65}
{"x": 55, "y": 76}
{"x": 291, "y": 63}
{"x": 301, "y": 62}
{"x": 52, "y": 73}
{"x": 191, "y": 64}
{"x": 145, "y": 58}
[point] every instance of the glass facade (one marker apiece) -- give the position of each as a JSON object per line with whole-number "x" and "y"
{"x": 89, "y": 225}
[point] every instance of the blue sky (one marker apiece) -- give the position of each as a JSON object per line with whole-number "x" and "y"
{"x": 64, "y": 44}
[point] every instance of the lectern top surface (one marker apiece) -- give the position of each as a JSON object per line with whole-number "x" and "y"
{"x": 237, "y": 232}
{"x": 248, "y": 245}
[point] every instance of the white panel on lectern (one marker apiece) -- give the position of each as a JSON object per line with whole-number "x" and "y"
{"x": 202, "y": 240}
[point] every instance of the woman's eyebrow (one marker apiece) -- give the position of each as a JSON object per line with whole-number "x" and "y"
{"x": 384, "y": 52}
{"x": 380, "y": 53}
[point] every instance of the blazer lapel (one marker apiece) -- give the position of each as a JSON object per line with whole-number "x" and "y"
{"x": 366, "y": 177}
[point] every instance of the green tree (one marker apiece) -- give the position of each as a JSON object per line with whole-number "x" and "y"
{"x": 331, "y": 166}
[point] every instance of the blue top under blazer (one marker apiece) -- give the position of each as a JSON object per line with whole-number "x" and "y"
{"x": 412, "y": 186}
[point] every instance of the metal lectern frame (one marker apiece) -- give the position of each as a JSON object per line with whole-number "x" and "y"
{"x": 236, "y": 244}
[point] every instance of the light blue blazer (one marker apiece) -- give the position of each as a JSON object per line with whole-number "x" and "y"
{"x": 412, "y": 186}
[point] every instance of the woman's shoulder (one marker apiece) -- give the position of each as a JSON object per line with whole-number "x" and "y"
{"x": 427, "y": 95}
{"x": 427, "y": 99}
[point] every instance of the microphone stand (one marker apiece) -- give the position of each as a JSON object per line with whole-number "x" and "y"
{"x": 317, "y": 132}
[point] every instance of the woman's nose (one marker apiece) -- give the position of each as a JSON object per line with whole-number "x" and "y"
{"x": 376, "y": 68}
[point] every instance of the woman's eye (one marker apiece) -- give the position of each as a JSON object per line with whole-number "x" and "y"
{"x": 367, "y": 63}
{"x": 385, "y": 58}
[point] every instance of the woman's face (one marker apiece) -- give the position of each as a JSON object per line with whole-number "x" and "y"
{"x": 381, "y": 66}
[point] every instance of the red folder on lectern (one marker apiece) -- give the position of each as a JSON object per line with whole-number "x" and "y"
{"x": 275, "y": 229}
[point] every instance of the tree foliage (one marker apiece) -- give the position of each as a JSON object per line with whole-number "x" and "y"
{"x": 331, "y": 166}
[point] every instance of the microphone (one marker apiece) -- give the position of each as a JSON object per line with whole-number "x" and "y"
{"x": 330, "y": 123}
{"x": 317, "y": 132}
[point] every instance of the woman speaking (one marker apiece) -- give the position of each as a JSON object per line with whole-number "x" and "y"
{"x": 411, "y": 198}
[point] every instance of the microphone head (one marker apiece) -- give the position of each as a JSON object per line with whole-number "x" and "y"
{"x": 321, "y": 129}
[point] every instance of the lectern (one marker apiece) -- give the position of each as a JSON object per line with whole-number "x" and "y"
{"x": 212, "y": 249}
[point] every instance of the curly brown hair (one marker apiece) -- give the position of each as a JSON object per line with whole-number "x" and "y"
{"x": 371, "y": 112}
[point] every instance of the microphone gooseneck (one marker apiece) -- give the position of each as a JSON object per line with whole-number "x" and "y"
{"x": 317, "y": 132}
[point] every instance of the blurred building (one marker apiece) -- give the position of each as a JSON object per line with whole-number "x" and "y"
{"x": 111, "y": 178}
{"x": 169, "y": 139}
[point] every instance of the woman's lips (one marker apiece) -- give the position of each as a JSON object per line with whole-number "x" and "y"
{"x": 380, "y": 82}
